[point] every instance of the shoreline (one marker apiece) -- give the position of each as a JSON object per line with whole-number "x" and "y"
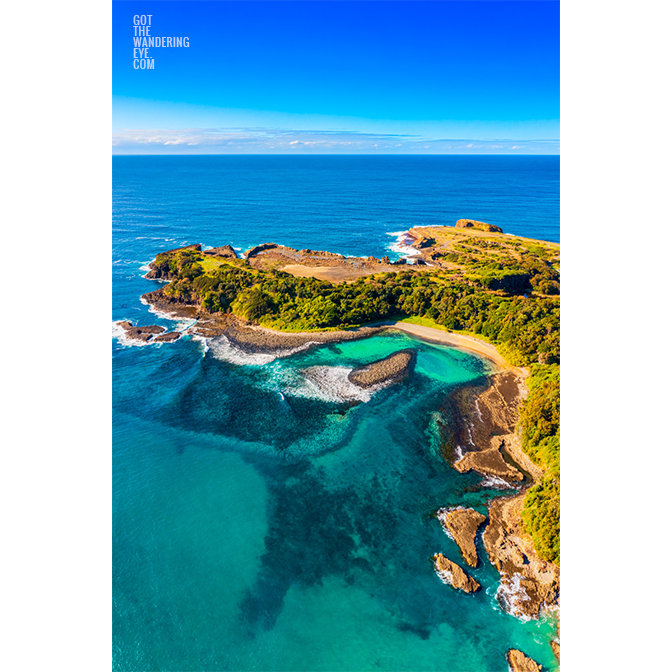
{"x": 254, "y": 338}
{"x": 527, "y": 584}
{"x": 452, "y": 339}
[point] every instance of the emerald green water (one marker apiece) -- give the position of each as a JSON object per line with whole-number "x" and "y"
{"x": 266, "y": 522}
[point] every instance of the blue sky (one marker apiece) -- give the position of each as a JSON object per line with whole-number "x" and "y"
{"x": 340, "y": 77}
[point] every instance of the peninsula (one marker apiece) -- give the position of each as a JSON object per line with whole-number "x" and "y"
{"x": 470, "y": 286}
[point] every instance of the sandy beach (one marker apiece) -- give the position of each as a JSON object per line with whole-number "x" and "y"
{"x": 486, "y": 350}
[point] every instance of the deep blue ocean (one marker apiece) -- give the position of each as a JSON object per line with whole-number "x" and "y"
{"x": 265, "y": 521}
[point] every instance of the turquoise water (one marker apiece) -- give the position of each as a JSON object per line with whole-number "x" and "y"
{"x": 266, "y": 522}
{"x": 263, "y": 524}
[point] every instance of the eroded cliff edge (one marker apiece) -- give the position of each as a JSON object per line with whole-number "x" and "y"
{"x": 484, "y": 438}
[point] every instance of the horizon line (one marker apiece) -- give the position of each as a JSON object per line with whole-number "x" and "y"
{"x": 333, "y": 154}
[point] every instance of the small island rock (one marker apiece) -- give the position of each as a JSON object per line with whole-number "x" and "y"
{"x": 454, "y": 574}
{"x": 141, "y": 333}
{"x": 393, "y": 368}
{"x": 462, "y": 525}
{"x": 519, "y": 662}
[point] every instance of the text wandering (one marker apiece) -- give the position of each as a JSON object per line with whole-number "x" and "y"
{"x": 143, "y": 40}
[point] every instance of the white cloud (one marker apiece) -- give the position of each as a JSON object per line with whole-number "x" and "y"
{"x": 282, "y": 140}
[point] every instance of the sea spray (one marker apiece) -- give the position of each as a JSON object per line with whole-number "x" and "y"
{"x": 402, "y": 246}
{"x": 510, "y": 594}
{"x": 222, "y": 348}
{"x": 330, "y": 383}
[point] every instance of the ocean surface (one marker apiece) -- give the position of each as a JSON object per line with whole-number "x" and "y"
{"x": 267, "y": 514}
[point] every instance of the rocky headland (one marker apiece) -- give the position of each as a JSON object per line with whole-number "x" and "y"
{"x": 483, "y": 438}
{"x": 462, "y": 525}
{"x": 528, "y": 584}
{"x": 392, "y": 368}
{"x": 451, "y": 573}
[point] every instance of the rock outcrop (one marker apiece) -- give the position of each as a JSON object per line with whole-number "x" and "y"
{"x": 140, "y": 333}
{"x": 223, "y": 251}
{"x": 519, "y": 662}
{"x": 556, "y": 648}
{"x": 454, "y": 575}
{"x": 528, "y": 583}
{"x": 392, "y": 368}
{"x": 474, "y": 224}
{"x": 153, "y": 333}
{"x": 484, "y": 432}
{"x": 260, "y": 248}
{"x": 168, "y": 337}
{"x": 490, "y": 462}
{"x": 462, "y": 525}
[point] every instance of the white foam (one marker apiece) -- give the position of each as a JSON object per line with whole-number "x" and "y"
{"x": 442, "y": 515}
{"x": 510, "y": 594}
{"x": 223, "y": 349}
{"x": 330, "y": 383}
{"x": 202, "y": 342}
{"x": 183, "y": 323}
{"x": 119, "y": 333}
{"x": 478, "y": 411}
{"x": 402, "y": 246}
{"x": 497, "y": 483}
{"x": 470, "y": 426}
{"x": 459, "y": 452}
{"x": 445, "y": 576}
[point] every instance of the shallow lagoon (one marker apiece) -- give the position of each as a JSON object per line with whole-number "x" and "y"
{"x": 263, "y": 523}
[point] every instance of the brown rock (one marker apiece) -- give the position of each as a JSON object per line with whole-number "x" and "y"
{"x": 484, "y": 411}
{"x": 454, "y": 574}
{"x": 224, "y": 251}
{"x": 462, "y": 525}
{"x": 488, "y": 462}
{"x": 143, "y": 334}
{"x": 392, "y": 368}
{"x": 528, "y": 583}
{"x": 474, "y": 224}
{"x": 260, "y": 248}
{"x": 519, "y": 662}
{"x": 168, "y": 337}
{"x": 556, "y": 649}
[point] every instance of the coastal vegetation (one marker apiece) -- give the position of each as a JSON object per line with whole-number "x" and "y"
{"x": 504, "y": 291}
{"x": 525, "y": 327}
{"x": 540, "y": 427}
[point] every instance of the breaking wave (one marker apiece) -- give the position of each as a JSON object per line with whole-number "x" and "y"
{"x": 510, "y": 594}
{"x": 402, "y": 246}
{"x": 330, "y": 383}
{"x": 223, "y": 349}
